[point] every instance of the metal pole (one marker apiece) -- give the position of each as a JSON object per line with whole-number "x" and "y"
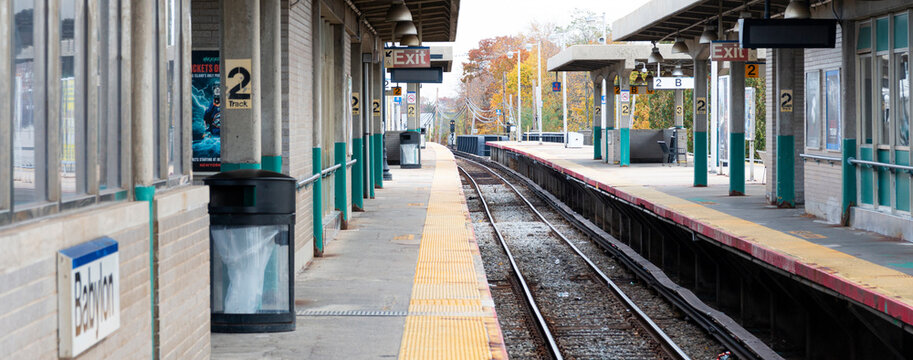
{"x": 564, "y": 103}
{"x": 539, "y": 81}
{"x": 519, "y": 101}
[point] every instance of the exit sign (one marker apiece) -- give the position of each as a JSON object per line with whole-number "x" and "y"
{"x": 730, "y": 51}
{"x": 412, "y": 57}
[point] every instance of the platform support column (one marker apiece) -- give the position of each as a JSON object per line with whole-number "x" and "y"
{"x": 699, "y": 108}
{"x": 597, "y": 119}
{"x": 609, "y": 113}
{"x": 786, "y": 178}
{"x": 624, "y": 119}
{"x": 271, "y": 84}
{"x": 848, "y": 119}
{"x": 378, "y": 142}
{"x": 240, "y": 54}
{"x": 737, "y": 129}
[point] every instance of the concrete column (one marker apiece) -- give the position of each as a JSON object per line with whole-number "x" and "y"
{"x": 240, "y": 61}
{"x": 700, "y": 104}
{"x": 143, "y": 78}
{"x": 598, "y": 123}
{"x": 786, "y": 179}
{"x": 360, "y": 81}
{"x": 339, "y": 155}
{"x": 271, "y": 85}
{"x": 624, "y": 119}
{"x": 737, "y": 129}
{"x": 848, "y": 101}
{"x": 412, "y": 117}
{"x": 317, "y": 135}
{"x": 378, "y": 141}
{"x": 679, "y": 117}
{"x": 610, "y": 117}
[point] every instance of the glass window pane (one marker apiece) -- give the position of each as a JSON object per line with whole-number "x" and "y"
{"x": 900, "y": 31}
{"x": 72, "y": 116}
{"x": 884, "y": 91}
{"x": 864, "y": 39}
{"x": 866, "y": 96}
{"x": 832, "y": 109}
{"x": 109, "y": 127}
{"x": 812, "y": 110}
{"x": 172, "y": 88}
{"x": 27, "y": 129}
{"x": 902, "y": 91}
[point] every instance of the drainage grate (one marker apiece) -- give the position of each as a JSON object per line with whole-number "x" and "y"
{"x": 350, "y": 313}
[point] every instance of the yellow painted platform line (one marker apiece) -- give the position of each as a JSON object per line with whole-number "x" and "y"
{"x": 451, "y": 313}
{"x": 890, "y": 283}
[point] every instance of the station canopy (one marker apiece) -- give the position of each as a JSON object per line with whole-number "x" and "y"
{"x": 662, "y": 20}
{"x": 595, "y": 57}
{"x": 435, "y": 19}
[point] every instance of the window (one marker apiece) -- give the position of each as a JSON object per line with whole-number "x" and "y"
{"x": 72, "y": 102}
{"x": 173, "y": 87}
{"x": 902, "y": 97}
{"x": 813, "y": 110}
{"x": 866, "y": 97}
{"x": 109, "y": 94}
{"x": 832, "y": 109}
{"x": 884, "y": 99}
{"x": 28, "y": 118}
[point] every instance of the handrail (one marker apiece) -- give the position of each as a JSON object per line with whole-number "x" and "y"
{"x": 303, "y": 183}
{"x": 906, "y": 168}
{"x": 820, "y": 157}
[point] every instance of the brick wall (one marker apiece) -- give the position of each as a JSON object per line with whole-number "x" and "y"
{"x": 300, "y": 117}
{"x": 28, "y": 281}
{"x": 824, "y": 180}
{"x": 182, "y": 243}
{"x": 205, "y": 24}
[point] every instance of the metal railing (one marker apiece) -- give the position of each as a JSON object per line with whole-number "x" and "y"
{"x": 891, "y": 167}
{"x": 821, "y": 158}
{"x": 303, "y": 183}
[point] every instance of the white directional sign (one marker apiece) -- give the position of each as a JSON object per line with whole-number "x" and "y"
{"x": 673, "y": 83}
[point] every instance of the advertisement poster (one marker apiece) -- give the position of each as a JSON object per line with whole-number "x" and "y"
{"x": 206, "y": 104}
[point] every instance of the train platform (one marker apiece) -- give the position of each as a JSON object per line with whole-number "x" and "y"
{"x": 404, "y": 281}
{"x": 866, "y": 267}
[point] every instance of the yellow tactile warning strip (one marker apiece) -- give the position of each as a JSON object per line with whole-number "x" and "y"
{"x": 884, "y": 289}
{"x": 451, "y": 313}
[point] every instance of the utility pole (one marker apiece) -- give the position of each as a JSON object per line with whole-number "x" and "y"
{"x": 519, "y": 100}
{"x": 539, "y": 75}
{"x": 564, "y": 102}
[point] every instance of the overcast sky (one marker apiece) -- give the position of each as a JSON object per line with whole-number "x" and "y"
{"x": 481, "y": 19}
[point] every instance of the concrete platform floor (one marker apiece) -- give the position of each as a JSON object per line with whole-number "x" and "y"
{"x": 352, "y": 302}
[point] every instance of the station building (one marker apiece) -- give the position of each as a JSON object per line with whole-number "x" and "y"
{"x": 103, "y": 121}
{"x": 842, "y": 149}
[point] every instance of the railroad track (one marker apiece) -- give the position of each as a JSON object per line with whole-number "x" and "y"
{"x": 581, "y": 312}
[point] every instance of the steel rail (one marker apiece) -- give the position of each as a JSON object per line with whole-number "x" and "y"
{"x": 703, "y": 318}
{"x": 667, "y": 344}
{"x": 541, "y": 324}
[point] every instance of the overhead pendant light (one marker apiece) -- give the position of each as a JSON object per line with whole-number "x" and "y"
{"x": 678, "y": 70}
{"x": 409, "y": 40}
{"x": 709, "y": 35}
{"x": 398, "y": 12}
{"x": 655, "y": 56}
{"x": 797, "y": 9}
{"x": 679, "y": 47}
{"x": 404, "y": 28}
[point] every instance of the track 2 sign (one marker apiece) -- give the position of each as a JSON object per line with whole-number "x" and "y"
{"x": 673, "y": 83}
{"x": 238, "y": 84}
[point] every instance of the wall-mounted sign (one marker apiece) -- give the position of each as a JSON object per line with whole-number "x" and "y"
{"x": 410, "y": 97}
{"x": 731, "y": 51}
{"x": 88, "y": 295}
{"x": 415, "y": 57}
{"x": 753, "y": 70}
{"x": 356, "y": 103}
{"x": 238, "y": 84}
{"x": 206, "y": 116}
{"x": 673, "y": 83}
{"x": 411, "y": 110}
{"x": 625, "y": 109}
{"x": 786, "y": 101}
{"x": 397, "y": 91}
{"x": 375, "y": 107}
{"x": 625, "y": 96}
{"x": 617, "y": 89}
{"x": 700, "y": 105}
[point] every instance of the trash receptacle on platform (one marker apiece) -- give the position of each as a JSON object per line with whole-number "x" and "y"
{"x": 410, "y": 155}
{"x": 252, "y": 222}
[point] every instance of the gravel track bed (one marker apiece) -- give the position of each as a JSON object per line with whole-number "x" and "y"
{"x": 587, "y": 320}
{"x": 688, "y": 336}
{"x": 518, "y": 328}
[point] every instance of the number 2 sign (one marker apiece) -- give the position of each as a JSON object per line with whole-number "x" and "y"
{"x": 237, "y": 81}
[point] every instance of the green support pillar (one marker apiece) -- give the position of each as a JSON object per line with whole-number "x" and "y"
{"x": 597, "y": 143}
{"x": 700, "y": 158}
{"x": 369, "y": 164}
{"x": 358, "y": 201}
{"x": 230, "y": 167}
{"x": 849, "y": 180}
{"x": 339, "y": 152}
{"x": 379, "y": 161}
{"x": 625, "y": 144}
{"x": 737, "y": 164}
{"x": 147, "y": 193}
{"x": 272, "y": 163}
{"x": 786, "y": 177}
{"x": 317, "y": 210}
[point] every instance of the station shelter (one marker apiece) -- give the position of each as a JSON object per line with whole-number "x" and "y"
{"x": 113, "y": 111}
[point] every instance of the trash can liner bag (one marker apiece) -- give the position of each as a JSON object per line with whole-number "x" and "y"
{"x": 245, "y": 251}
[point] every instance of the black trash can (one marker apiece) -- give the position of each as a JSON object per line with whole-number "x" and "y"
{"x": 251, "y": 232}
{"x": 410, "y": 153}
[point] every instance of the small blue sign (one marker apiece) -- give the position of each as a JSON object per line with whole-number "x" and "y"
{"x": 556, "y": 86}
{"x": 397, "y": 99}
{"x": 498, "y": 111}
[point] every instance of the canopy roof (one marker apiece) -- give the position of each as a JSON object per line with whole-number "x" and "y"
{"x": 595, "y": 57}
